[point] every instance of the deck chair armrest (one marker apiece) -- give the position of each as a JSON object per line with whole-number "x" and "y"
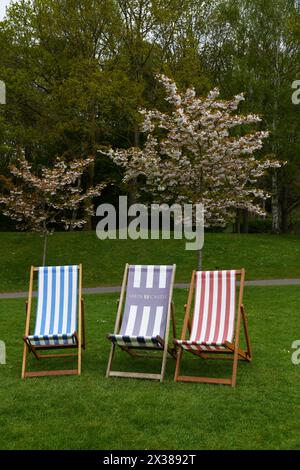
{"x": 108, "y": 336}
{"x": 160, "y": 340}
{"x": 28, "y": 344}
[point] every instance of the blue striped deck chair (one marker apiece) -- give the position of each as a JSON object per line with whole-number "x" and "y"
{"x": 144, "y": 322}
{"x": 59, "y": 321}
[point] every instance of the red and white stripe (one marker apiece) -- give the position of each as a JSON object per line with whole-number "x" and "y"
{"x": 214, "y": 311}
{"x": 194, "y": 346}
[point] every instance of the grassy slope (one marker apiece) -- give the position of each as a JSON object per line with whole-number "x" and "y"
{"x": 91, "y": 412}
{"x": 263, "y": 256}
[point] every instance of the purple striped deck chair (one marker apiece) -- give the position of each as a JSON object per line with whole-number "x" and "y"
{"x": 144, "y": 322}
{"x": 59, "y": 316}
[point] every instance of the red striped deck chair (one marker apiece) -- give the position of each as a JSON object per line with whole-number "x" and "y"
{"x": 215, "y": 325}
{"x": 59, "y": 322}
{"x": 145, "y": 322}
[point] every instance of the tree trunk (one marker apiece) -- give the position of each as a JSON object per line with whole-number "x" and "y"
{"x": 199, "y": 259}
{"x": 284, "y": 211}
{"x": 74, "y": 211}
{"x": 132, "y": 184}
{"x": 238, "y": 221}
{"x": 275, "y": 204}
{"x": 245, "y": 224}
{"x": 91, "y": 173}
{"x": 45, "y": 248}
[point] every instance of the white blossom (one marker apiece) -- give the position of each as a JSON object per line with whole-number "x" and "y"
{"x": 37, "y": 202}
{"x": 199, "y": 159}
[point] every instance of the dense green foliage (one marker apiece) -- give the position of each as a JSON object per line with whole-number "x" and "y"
{"x": 91, "y": 412}
{"x": 77, "y": 71}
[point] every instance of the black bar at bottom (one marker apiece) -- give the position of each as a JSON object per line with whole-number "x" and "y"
{"x": 136, "y": 458}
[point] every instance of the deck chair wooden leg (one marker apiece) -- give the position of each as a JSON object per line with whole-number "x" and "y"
{"x": 173, "y": 319}
{"x": 79, "y": 359}
{"x": 110, "y": 359}
{"x": 80, "y": 318}
{"x": 27, "y": 326}
{"x": 178, "y": 364}
{"x": 118, "y": 319}
{"x": 246, "y": 332}
{"x": 237, "y": 335}
{"x": 24, "y": 361}
{"x": 234, "y": 367}
{"x": 164, "y": 362}
{"x": 170, "y": 317}
{"x": 83, "y": 323}
{"x": 173, "y": 351}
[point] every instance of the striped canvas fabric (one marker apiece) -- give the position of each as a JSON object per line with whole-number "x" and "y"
{"x": 214, "y": 311}
{"x": 146, "y": 306}
{"x": 56, "y": 315}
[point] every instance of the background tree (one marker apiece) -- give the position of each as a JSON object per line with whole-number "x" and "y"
{"x": 254, "y": 45}
{"x": 60, "y": 99}
{"x": 193, "y": 154}
{"x": 40, "y": 203}
{"x": 77, "y": 71}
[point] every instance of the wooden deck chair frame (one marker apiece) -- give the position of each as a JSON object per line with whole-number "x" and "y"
{"x": 130, "y": 350}
{"x": 28, "y": 348}
{"x": 232, "y": 350}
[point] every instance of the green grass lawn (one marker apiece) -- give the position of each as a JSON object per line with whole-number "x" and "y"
{"x": 263, "y": 256}
{"x": 91, "y": 412}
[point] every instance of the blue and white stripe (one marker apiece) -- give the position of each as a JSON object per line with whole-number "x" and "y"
{"x": 56, "y": 316}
